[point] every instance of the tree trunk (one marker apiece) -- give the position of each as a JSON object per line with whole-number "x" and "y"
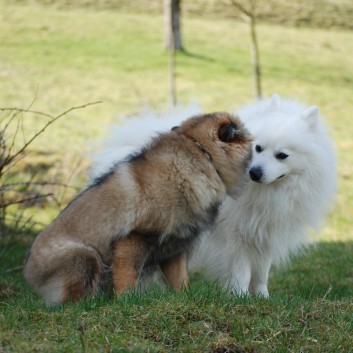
{"x": 172, "y": 14}
{"x": 255, "y": 58}
{"x": 172, "y": 80}
{"x": 170, "y": 41}
{"x": 248, "y": 11}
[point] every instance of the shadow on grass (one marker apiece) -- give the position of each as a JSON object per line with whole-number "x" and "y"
{"x": 197, "y": 56}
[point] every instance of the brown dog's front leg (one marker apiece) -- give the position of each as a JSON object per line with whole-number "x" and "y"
{"x": 175, "y": 272}
{"x": 128, "y": 260}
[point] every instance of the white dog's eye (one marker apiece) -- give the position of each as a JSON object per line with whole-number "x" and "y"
{"x": 258, "y": 149}
{"x": 281, "y": 156}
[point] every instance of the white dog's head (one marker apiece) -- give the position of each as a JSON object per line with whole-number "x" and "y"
{"x": 283, "y": 132}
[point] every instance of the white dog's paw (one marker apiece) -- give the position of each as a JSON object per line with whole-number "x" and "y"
{"x": 235, "y": 290}
{"x": 262, "y": 291}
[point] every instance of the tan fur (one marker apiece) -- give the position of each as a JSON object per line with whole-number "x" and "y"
{"x": 146, "y": 212}
{"x": 127, "y": 262}
{"x": 175, "y": 272}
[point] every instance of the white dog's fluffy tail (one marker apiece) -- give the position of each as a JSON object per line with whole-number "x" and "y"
{"x": 135, "y": 132}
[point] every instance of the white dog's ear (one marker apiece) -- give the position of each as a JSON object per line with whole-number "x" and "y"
{"x": 311, "y": 116}
{"x": 275, "y": 100}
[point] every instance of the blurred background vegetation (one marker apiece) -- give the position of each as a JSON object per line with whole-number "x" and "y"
{"x": 60, "y": 54}
{"x": 312, "y": 13}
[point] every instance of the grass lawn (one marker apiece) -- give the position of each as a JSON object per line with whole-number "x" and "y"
{"x": 54, "y": 59}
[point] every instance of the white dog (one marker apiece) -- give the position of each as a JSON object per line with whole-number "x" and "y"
{"x": 291, "y": 184}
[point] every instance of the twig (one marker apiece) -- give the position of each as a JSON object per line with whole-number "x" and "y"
{"x": 241, "y": 8}
{"x": 7, "y": 187}
{"x": 11, "y": 119}
{"x": 8, "y": 165}
{"x": 25, "y": 200}
{"x": 9, "y": 159}
{"x": 9, "y": 149}
{"x": 68, "y": 179}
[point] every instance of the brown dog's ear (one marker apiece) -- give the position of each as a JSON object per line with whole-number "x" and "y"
{"x": 227, "y": 132}
{"x": 174, "y": 128}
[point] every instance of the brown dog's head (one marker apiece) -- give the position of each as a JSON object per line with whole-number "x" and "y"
{"x": 225, "y": 139}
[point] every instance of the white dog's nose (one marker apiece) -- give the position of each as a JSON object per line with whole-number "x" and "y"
{"x": 256, "y": 174}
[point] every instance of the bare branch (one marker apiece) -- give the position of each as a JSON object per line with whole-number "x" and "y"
{"x": 241, "y": 8}
{"x": 7, "y": 187}
{"x": 75, "y": 167}
{"x": 15, "y": 113}
{"x": 23, "y": 110}
{"x": 9, "y": 165}
{"x": 57, "y": 202}
{"x": 37, "y": 197}
{"x": 249, "y": 12}
{"x": 51, "y": 121}
{"x": 10, "y": 155}
{"x": 9, "y": 149}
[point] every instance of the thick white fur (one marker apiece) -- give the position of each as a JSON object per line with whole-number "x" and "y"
{"x": 270, "y": 218}
{"x": 134, "y": 132}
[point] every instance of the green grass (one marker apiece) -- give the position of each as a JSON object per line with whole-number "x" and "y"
{"x": 56, "y": 59}
{"x": 302, "y": 315}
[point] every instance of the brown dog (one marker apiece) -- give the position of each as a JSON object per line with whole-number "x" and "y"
{"x": 146, "y": 212}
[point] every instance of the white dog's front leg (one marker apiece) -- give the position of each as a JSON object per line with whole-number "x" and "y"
{"x": 259, "y": 277}
{"x": 239, "y": 276}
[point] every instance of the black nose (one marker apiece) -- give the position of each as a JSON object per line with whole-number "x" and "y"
{"x": 255, "y": 174}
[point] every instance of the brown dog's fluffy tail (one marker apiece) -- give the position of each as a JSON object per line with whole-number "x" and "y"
{"x": 67, "y": 271}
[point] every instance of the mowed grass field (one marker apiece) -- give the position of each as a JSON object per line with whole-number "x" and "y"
{"x": 52, "y": 60}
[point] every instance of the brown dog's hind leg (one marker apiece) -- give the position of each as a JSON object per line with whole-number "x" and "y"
{"x": 65, "y": 275}
{"x": 128, "y": 260}
{"x": 83, "y": 271}
{"x": 175, "y": 272}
